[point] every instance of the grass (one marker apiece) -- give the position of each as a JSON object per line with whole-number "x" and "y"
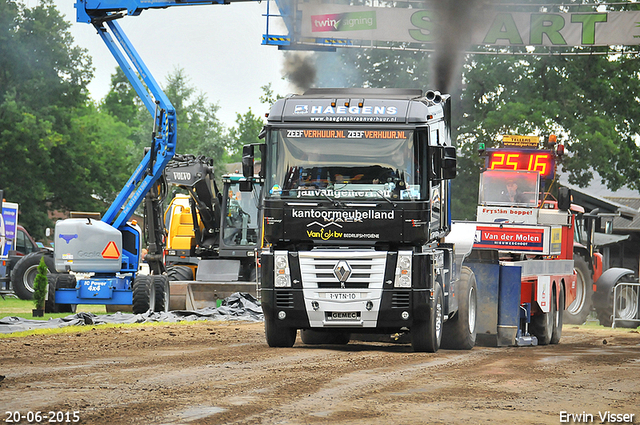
{"x": 14, "y": 307}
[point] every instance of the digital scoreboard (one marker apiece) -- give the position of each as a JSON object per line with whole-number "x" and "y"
{"x": 542, "y": 161}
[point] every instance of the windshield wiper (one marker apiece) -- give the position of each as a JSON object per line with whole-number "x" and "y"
{"x": 383, "y": 196}
{"x": 336, "y": 203}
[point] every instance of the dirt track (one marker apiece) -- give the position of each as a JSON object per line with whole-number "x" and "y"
{"x": 219, "y": 373}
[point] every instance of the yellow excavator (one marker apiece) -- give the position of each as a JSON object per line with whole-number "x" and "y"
{"x": 212, "y": 236}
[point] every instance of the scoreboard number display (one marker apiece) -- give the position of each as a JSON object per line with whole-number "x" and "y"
{"x": 542, "y": 161}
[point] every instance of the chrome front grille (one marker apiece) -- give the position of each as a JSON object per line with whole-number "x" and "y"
{"x": 367, "y": 269}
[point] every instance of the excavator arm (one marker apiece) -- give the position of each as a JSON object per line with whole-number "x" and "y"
{"x": 196, "y": 176}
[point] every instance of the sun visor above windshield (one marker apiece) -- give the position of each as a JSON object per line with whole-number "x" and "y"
{"x": 356, "y": 110}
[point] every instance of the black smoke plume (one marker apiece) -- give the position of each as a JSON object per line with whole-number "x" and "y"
{"x": 300, "y": 70}
{"x": 456, "y": 19}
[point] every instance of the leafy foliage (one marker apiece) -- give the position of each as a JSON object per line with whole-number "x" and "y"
{"x": 248, "y": 127}
{"x": 59, "y": 152}
{"x": 589, "y": 102}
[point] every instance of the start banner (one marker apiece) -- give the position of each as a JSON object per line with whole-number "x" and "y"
{"x": 489, "y": 27}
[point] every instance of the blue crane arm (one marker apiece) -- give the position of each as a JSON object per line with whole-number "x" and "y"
{"x": 88, "y": 10}
{"x": 163, "y": 143}
{"x": 102, "y": 14}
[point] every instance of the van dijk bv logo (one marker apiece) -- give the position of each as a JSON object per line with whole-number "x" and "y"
{"x": 333, "y": 218}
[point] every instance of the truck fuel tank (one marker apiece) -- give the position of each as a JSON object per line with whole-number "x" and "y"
{"x": 87, "y": 245}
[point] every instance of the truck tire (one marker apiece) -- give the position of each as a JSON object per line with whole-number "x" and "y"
{"x": 162, "y": 294}
{"x": 25, "y": 271}
{"x": 558, "y": 318}
{"x": 56, "y": 280}
{"x": 459, "y": 332}
{"x": 278, "y": 336}
{"x": 577, "y": 312}
{"x": 144, "y": 296}
{"x": 179, "y": 273}
{"x": 542, "y": 324}
{"x": 427, "y": 335}
{"x": 312, "y": 337}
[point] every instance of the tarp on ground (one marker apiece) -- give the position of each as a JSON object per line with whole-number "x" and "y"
{"x": 238, "y": 306}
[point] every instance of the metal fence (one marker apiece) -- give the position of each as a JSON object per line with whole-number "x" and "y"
{"x": 626, "y": 304}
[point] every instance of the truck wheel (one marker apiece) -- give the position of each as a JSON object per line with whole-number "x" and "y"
{"x": 25, "y": 271}
{"x": 542, "y": 324}
{"x": 311, "y": 337}
{"x": 62, "y": 280}
{"x": 144, "y": 297}
{"x": 162, "y": 294}
{"x": 426, "y": 335}
{"x": 558, "y": 318}
{"x": 459, "y": 332}
{"x": 579, "y": 309}
{"x": 179, "y": 273}
{"x": 278, "y": 336}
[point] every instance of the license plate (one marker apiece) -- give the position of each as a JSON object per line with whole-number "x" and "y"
{"x": 343, "y": 315}
{"x": 342, "y": 296}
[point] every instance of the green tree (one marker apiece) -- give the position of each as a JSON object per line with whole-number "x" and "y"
{"x": 94, "y": 160}
{"x": 39, "y": 63}
{"x": 246, "y": 131}
{"x": 200, "y": 132}
{"x": 58, "y": 150}
{"x": 122, "y": 101}
{"x": 268, "y": 96}
{"x": 26, "y": 141}
{"x": 588, "y": 101}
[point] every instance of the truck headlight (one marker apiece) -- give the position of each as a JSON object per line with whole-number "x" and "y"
{"x": 282, "y": 278}
{"x": 403, "y": 270}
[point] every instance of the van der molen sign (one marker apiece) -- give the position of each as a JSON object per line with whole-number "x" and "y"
{"x": 491, "y": 28}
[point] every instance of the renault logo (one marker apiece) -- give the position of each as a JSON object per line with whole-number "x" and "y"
{"x": 342, "y": 271}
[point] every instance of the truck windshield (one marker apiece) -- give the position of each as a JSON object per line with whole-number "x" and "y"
{"x": 509, "y": 188}
{"x": 343, "y": 163}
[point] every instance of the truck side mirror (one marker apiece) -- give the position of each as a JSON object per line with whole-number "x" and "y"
{"x": 263, "y": 156}
{"x": 247, "y": 161}
{"x": 564, "y": 198}
{"x": 247, "y": 168}
{"x": 443, "y": 162}
{"x": 449, "y": 163}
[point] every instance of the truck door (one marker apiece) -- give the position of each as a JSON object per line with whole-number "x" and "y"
{"x": 24, "y": 244}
